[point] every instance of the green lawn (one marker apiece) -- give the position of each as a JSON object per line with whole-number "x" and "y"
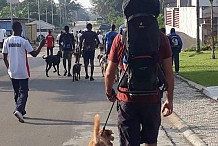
{"x": 199, "y": 68}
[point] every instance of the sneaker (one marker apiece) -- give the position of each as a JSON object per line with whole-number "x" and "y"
{"x": 92, "y": 79}
{"x": 69, "y": 75}
{"x": 19, "y": 116}
{"x": 177, "y": 73}
{"x": 86, "y": 77}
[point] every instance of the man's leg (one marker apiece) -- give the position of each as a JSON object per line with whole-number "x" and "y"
{"x": 23, "y": 95}
{"x": 92, "y": 56}
{"x": 176, "y": 60}
{"x": 51, "y": 51}
{"x": 47, "y": 51}
{"x": 69, "y": 67}
{"x": 15, "y": 84}
{"x": 64, "y": 62}
{"x": 128, "y": 124}
{"x": 86, "y": 63}
{"x": 69, "y": 58}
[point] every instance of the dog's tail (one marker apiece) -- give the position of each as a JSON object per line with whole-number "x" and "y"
{"x": 96, "y": 128}
{"x": 43, "y": 56}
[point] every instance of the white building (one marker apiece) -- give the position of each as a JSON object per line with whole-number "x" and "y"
{"x": 183, "y": 18}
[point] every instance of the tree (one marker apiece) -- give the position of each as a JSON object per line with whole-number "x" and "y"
{"x": 198, "y": 24}
{"x": 212, "y": 37}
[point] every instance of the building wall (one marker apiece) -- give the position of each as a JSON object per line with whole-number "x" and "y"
{"x": 7, "y": 25}
{"x": 186, "y": 24}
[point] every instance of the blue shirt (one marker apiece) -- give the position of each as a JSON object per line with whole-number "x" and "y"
{"x": 175, "y": 41}
{"x": 109, "y": 37}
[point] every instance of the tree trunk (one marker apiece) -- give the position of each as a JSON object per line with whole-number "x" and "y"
{"x": 198, "y": 24}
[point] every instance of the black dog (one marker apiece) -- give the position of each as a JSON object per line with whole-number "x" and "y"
{"x": 76, "y": 71}
{"x": 53, "y": 60}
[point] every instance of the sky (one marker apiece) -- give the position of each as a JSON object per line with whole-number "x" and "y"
{"x": 84, "y": 3}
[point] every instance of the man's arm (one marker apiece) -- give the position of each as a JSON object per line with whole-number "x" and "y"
{"x": 5, "y": 58}
{"x": 167, "y": 108}
{"x": 34, "y": 53}
{"x": 73, "y": 41}
{"x": 110, "y": 77}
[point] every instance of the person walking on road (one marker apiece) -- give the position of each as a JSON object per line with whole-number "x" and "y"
{"x": 89, "y": 41}
{"x": 50, "y": 43}
{"x": 15, "y": 51}
{"x": 142, "y": 111}
{"x": 109, "y": 37}
{"x": 67, "y": 42}
{"x": 176, "y": 46}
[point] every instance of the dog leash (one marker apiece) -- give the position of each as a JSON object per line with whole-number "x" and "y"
{"x": 107, "y": 118}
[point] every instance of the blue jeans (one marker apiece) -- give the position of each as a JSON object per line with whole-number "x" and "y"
{"x": 20, "y": 94}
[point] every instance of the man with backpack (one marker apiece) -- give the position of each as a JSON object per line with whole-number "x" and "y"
{"x": 109, "y": 37}
{"x": 88, "y": 42}
{"x": 67, "y": 42}
{"x": 176, "y": 46}
{"x": 146, "y": 62}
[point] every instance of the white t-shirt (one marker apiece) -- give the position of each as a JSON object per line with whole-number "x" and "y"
{"x": 17, "y": 47}
{"x": 100, "y": 37}
{"x": 78, "y": 36}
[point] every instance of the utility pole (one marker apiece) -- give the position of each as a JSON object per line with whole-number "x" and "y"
{"x": 52, "y": 13}
{"x": 65, "y": 12}
{"x": 39, "y": 19}
{"x": 11, "y": 12}
{"x": 211, "y": 25}
{"x": 46, "y": 14}
{"x": 28, "y": 12}
{"x": 198, "y": 24}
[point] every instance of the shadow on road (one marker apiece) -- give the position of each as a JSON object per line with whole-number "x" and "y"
{"x": 44, "y": 121}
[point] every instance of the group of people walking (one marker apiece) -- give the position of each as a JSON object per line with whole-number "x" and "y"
{"x": 139, "y": 117}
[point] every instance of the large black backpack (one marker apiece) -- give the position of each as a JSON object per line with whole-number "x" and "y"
{"x": 143, "y": 75}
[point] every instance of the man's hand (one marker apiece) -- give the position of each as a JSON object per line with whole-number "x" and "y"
{"x": 112, "y": 97}
{"x": 42, "y": 43}
{"x": 167, "y": 108}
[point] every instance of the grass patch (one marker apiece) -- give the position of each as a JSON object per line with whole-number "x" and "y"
{"x": 199, "y": 67}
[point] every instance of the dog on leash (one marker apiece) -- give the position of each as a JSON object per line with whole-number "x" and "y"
{"x": 52, "y": 60}
{"x": 101, "y": 138}
{"x": 77, "y": 54}
{"x": 76, "y": 71}
{"x": 103, "y": 63}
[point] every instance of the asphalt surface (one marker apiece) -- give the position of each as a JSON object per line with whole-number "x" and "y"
{"x": 60, "y": 112}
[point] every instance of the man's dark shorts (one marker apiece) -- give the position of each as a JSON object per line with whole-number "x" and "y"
{"x": 67, "y": 54}
{"x": 138, "y": 123}
{"x": 88, "y": 55}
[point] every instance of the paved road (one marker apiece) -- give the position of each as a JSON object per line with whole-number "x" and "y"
{"x": 60, "y": 112}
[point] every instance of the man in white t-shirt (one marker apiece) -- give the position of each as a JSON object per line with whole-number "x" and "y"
{"x": 15, "y": 49}
{"x": 101, "y": 45}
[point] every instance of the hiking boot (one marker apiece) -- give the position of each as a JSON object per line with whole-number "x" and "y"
{"x": 87, "y": 76}
{"x": 92, "y": 79}
{"x": 19, "y": 116}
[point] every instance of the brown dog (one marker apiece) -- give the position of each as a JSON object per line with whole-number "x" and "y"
{"x": 77, "y": 54}
{"x": 103, "y": 63}
{"x": 99, "y": 138}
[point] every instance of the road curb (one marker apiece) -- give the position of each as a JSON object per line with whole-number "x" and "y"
{"x": 192, "y": 137}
